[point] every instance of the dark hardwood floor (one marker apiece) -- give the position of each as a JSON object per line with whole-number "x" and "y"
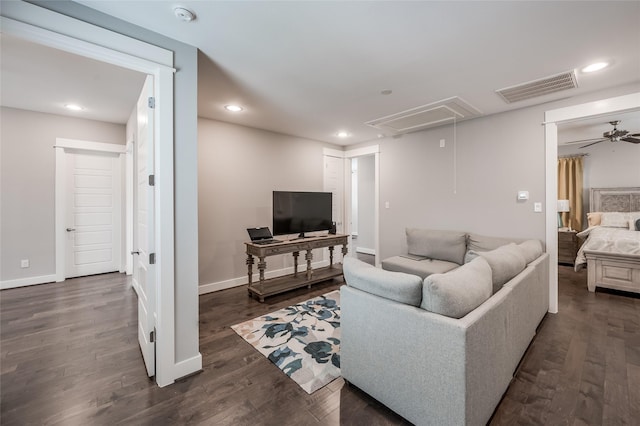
{"x": 69, "y": 355}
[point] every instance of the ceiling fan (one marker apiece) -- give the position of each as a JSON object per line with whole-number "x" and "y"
{"x": 614, "y": 135}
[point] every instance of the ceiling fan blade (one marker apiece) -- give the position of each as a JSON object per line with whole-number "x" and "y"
{"x": 593, "y": 143}
{"x": 584, "y": 140}
{"x": 632, "y": 139}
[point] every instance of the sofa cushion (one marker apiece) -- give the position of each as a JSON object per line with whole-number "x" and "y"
{"x": 435, "y": 244}
{"x": 397, "y": 286}
{"x": 458, "y": 292}
{"x": 477, "y": 242}
{"x": 530, "y": 250}
{"x": 422, "y": 268}
{"x": 506, "y": 262}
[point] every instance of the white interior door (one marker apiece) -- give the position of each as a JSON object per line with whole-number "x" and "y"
{"x": 144, "y": 269}
{"x": 93, "y": 213}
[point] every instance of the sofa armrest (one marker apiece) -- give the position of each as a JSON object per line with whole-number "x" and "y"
{"x": 424, "y": 365}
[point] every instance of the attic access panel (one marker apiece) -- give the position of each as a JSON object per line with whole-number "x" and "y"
{"x": 426, "y": 116}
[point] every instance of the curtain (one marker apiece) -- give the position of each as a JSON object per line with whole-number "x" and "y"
{"x": 570, "y": 187}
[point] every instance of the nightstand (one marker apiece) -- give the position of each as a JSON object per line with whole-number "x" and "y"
{"x": 567, "y": 246}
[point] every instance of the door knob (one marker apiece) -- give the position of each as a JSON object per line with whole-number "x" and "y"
{"x": 71, "y": 229}
{"x": 135, "y": 252}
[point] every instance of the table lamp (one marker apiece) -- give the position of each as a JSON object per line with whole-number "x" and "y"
{"x": 563, "y": 206}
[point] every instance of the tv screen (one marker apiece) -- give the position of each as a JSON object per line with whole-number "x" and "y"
{"x": 300, "y": 212}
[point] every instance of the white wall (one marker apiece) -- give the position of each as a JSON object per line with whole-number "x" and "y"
{"x": 496, "y": 156}
{"x": 238, "y": 169}
{"x": 28, "y": 186}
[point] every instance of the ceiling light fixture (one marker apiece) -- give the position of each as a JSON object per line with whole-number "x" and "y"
{"x": 184, "y": 14}
{"x": 233, "y": 108}
{"x": 386, "y": 92}
{"x": 343, "y": 134}
{"x": 595, "y": 67}
{"x": 73, "y": 107}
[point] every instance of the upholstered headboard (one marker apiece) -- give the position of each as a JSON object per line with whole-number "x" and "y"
{"x": 614, "y": 199}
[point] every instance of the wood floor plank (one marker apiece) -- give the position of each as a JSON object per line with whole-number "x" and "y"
{"x": 69, "y": 355}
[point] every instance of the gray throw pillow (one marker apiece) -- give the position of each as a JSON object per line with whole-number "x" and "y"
{"x": 506, "y": 262}
{"x": 397, "y": 286}
{"x": 530, "y": 250}
{"x": 458, "y": 292}
{"x": 434, "y": 244}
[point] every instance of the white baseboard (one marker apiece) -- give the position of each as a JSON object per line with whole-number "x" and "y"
{"x": 236, "y": 282}
{"x": 188, "y": 366}
{"x": 365, "y": 250}
{"x": 23, "y": 282}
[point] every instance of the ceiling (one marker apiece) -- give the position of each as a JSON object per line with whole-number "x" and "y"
{"x": 313, "y": 68}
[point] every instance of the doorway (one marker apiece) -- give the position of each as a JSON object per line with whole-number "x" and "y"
{"x": 552, "y": 119}
{"x": 123, "y": 51}
{"x": 363, "y": 232}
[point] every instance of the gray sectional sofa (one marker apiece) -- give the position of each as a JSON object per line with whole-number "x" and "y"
{"x": 437, "y": 342}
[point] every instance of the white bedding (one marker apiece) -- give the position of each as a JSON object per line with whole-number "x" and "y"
{"x": 608, "y": 240}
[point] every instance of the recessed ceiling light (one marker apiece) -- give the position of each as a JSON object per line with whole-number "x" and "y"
{"x": 386, "y": 92}
{"x": 233, "y": 108}
{"x": 595, "y": 67}
{"x": 184, "y": 14}
{"x": 73, "y": 107}
{"x": 343, "y": 134}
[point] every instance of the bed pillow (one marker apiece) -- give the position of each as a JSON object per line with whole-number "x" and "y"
{"x": 615, "y": 220}
{"x": 458, "y": 292}
{"x": 594, "y": 218}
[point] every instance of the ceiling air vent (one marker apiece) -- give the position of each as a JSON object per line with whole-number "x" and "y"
{"x": 544, "y": 86}
{"x": 425, "y": 116}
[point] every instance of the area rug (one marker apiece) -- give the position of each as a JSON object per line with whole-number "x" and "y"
{"x": 303, "y": 340}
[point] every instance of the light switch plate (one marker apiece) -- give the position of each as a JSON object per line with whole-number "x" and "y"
{"x": 537, "y": 207}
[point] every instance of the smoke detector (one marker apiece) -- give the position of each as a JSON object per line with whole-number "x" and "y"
{"x": 184, "y": 14}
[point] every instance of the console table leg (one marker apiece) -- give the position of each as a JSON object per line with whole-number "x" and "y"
{"x": 249, "y": 272}
{"x": 345, "y": 250}
{"x": 309, "y": 256}
{"x": 331, "y": 257}
{"x": 262, "y": 265}
{"x": 295, "y": 263}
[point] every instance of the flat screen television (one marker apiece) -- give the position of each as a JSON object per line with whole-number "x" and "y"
{"x": 300, "y": 212}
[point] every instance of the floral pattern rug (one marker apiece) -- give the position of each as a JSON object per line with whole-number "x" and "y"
{"x": 303, "y": 340}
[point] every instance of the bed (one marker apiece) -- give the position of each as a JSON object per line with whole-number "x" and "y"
{"x": 611, "y": 251}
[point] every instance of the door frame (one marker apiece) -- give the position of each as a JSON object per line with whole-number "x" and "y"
{"x": 348, "y": 155}
{"x": 64, "y": 146}
{"x": 551, "y": 120}
{"x": 38, "y": 25}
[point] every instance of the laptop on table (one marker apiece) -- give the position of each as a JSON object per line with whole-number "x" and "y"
{"x": 261, "y": 236}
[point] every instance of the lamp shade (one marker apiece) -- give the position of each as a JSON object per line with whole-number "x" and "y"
{"x": 563, "y": 206}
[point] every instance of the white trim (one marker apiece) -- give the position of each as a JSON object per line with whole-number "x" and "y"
{"x": 361, "y": 152}
{"x": 128, "y": 220}
{"x": 90, "y": 146}
{"x": 237, "y": 282}
{"x": 365, "y": 250}
{"x": 188, "y": 366}
{"x": 332, "y": 152}
{"x": 49, "y": 28}
{"x": 551, "y": 118}
{"x": 164, "y": 234}
{"x": 23, "y": 282}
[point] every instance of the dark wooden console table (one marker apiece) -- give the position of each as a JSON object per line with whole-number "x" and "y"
{"x": 264, "y": 288}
